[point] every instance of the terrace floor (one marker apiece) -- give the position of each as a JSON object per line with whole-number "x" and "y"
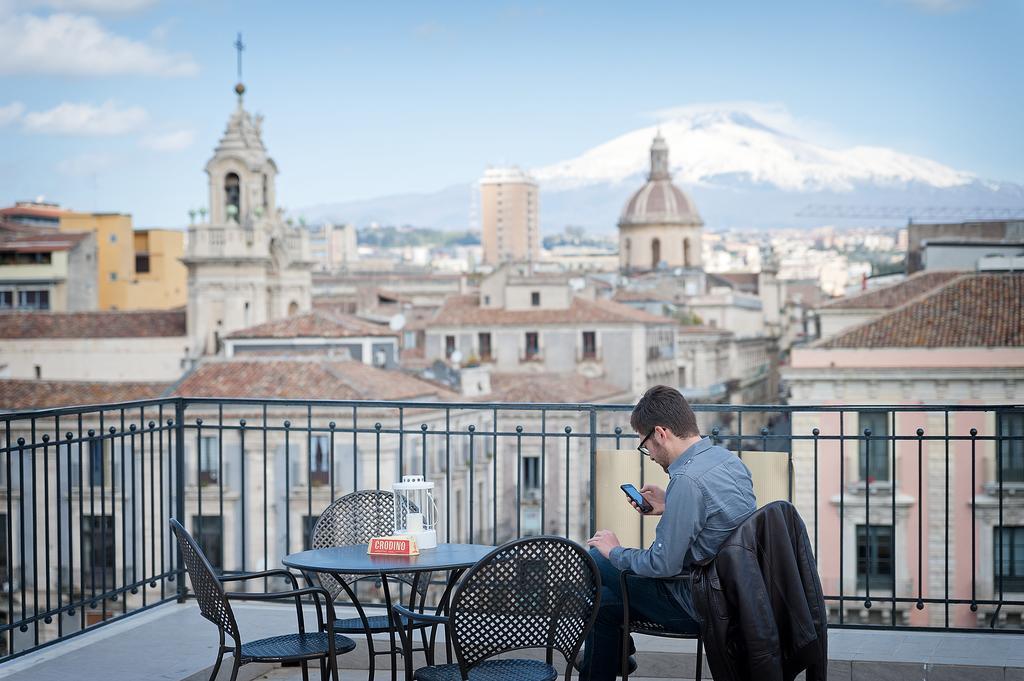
{"x": 173, "y": 643}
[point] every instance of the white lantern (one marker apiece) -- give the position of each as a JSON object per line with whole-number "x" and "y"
{"x": 415, "y": 513}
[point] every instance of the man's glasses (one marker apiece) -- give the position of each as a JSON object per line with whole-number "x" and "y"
{"x": 643, "y": 450}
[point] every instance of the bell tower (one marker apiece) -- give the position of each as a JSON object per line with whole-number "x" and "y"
{"x": 242, "y": 174}
{"x": 246, "y": 266}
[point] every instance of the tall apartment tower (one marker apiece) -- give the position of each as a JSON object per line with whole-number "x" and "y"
{"x": 508, "y": 216}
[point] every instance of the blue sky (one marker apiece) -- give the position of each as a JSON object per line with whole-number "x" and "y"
{"x": 116, "y": 104}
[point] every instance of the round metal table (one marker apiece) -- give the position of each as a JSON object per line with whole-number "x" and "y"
{"x": 354, "y": 560}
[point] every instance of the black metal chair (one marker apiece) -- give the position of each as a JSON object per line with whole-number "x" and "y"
{"x": 537, "y": 592}
{"x": 215, "y": 605}
{"x": 635, "y": 625}
{"x": 355, "y": 519}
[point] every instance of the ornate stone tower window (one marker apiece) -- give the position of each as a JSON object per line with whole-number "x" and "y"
{"x": 266, "y": 194}
{"x": 686, "y": 253}
{"x": 232, "y": 196}
{"x": 655, "y": 253}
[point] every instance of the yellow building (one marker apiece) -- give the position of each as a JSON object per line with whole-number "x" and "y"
{"x": 136, "y": 270}
{"x": 160, "y": 281}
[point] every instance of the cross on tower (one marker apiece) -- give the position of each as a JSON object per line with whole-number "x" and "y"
{"x": 239, "y": 45}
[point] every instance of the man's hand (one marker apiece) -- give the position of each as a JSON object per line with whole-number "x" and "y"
{"x": 604, "y": 541}
{"x": 655, "y": 496}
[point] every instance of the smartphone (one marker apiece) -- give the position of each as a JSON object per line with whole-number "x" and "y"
{"x": 634, "y": 494}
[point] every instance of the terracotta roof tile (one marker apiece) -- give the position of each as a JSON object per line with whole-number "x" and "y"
{"x": 19, "y": 394}
{"x": 647, "y": 296}
{"x": 894, "y": 295}
{"x": 112, "y": 324}
{"x": 36, "y": 211}
{"x": 315, "y": 324}
{"x": 41, "y": 241}
{"x": 973, "y": 310}
{"x": 550, "y": 387}
{"x": 296, "y": 378}
{"x": 465, "y": 310}
{"x": 742, "y": 281}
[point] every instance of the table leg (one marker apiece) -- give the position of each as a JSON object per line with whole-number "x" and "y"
{"x": 442, "y": 609}
{"x": 371, "y": 653}
{"x": 391, "y": 628}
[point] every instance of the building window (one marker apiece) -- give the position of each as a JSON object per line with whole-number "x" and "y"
{"x": 485, "y": 345}
{"x": 1011, "y": 446}
{"x": 655, "y": 253}
{"x": 487, "y": 300}
{"x": 1009, "y": 567}
{"x": 6, "y": 300}
{"x": 113, "y": 276}
{"x": 113, "y": 238}
{"x": 208, "y": 531}
{"x": 319, "y": 460}
{"x": 14, "y": 258}
{"x": 681, "y": 378}
{"x": 96, "y": 462}
{"x": 875, "y": 466}
{"x": 874, "y": 556}
{"x": 141, "y": 263}
{"x": 34, "y": 300}
{"x": 99, "y": 550}
{"x": 532, "y": 344}
{"x": 209, "y": 461}
{"x": 535, "y": 298}
{"x": 531, "y": 474}
{"x": 686, "y": 252}
{"x": 308, "y": 523}
{"x": 449, "y": 346}
{"x": 589, "y": 345}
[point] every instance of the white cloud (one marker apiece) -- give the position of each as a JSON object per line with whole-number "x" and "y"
{"x": 67, "y": 44}
{"x": 11, "y": 113}
{"x": 84, "y": 165}
{"x": 940, "y": 6}
{"x": 85, "y": 119}
{"x": 97, "y": 6}
{"x": 429, "y": 29}
{"x": 171, "y": 141}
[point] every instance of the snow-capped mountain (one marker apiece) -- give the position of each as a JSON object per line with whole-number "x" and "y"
{"x": 709, "y": 142}
{"x": 745, "y": 165}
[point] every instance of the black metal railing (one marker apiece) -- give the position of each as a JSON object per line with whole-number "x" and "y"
{"x": 915, "y": 512}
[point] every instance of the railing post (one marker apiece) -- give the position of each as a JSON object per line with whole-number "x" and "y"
{"x": 593, "y": 471}
{"x": 179, "y": 487}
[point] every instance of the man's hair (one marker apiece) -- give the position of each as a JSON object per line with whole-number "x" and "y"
{"x": 666, "y": 407}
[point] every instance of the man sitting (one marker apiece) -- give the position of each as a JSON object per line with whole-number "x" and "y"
{"x": 710, "y": 492}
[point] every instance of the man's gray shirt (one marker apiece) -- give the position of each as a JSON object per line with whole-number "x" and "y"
{"x": 709, "y": 493}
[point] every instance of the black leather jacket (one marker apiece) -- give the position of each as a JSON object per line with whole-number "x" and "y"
{"x": 760, "y": 600}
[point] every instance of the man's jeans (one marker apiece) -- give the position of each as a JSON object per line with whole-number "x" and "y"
{"x": 648, "y": 598}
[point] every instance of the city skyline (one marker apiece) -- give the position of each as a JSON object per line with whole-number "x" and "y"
{"x": 360, "y": 104}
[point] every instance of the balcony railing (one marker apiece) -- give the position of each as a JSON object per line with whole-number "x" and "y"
{"x": 85, "y": 539}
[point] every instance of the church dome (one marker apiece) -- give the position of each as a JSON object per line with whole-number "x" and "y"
{"x": 659, "y": 202}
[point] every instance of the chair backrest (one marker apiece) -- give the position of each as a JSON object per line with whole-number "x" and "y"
{"x": 209, "y": 591}
{"x": 537, "y": 592}
{"x": 355, "y": 518}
